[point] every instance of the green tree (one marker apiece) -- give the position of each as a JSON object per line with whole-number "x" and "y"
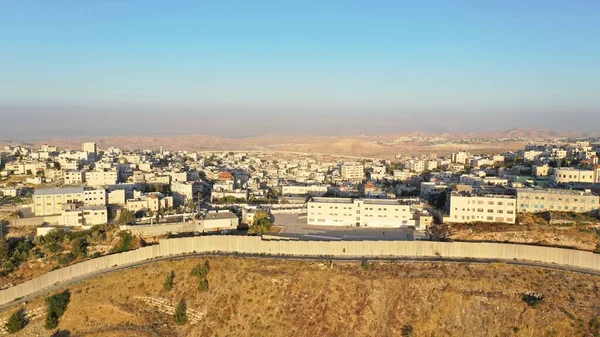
{"x": 168, "y": 285}
{"x": 4, "y": 250}
{"x": 79, "y": 247}
{"x": 125, "y": 242}
{"x": 201, "y": 270}
{"x": 17, "y": 321}
{"x": 180, "y": 315}
{"x": 203, "y": 285}
{"x": 126, "y": 217}
{"x": 262, "y": 223}
{"x": 441, "y": 200}
{"x": 56, "y": 307}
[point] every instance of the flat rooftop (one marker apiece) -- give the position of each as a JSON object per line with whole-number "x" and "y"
{"x": 554, "y": 191}
{"x": 333, "y": 200}
{"x": 55, "y": 191}
{"x": 220, "y": 215}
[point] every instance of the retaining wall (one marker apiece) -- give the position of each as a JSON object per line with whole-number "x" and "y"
{"x": 256, "y": 245}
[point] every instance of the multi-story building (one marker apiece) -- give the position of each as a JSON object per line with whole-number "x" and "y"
{"x": 85, "y": 216}
{"x": 467, "y": 207}
{"x": 352, "y": 172}
{"x": 460, "y": 157}
{"x": 574, "y": 175}
{"x": 149, "y": 202}
{"x": 360, "y": 212}
{"x": 315, "y": 190}
{"x": 429, "y": 188}
{"x": 540, "y": 170}
{"x": 91, "y": 149}
{"x": 73, "y": 177}
{"x": 541, "y": 200}
{"x": 101, "y": 178}
{"x": 51, "y": 201}
{"x": 185, "y": 191}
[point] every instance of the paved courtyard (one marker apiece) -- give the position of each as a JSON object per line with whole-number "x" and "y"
{"x": 295, "y": 226}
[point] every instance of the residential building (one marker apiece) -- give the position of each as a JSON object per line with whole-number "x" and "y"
{"x": 360, "y": 212}
{"x": 148, "y": 202}
{"x": 73, "y": 177}
{"x": 467, "y": 207}
{"x": 352, "y": 172}
{"x": 101, "y": 178}
{"x": 315, "y": 190}
{"x": 185, "y": 191}
{"x": 218, "y": 221}
{"x": 574, "y": 175}
{"x": 461, "y": 157}
{"x": 541, "y": 200}
{"x": 85, "y": 216}
{"x": 429, "y": 189}
{"x": 51, "y": 201}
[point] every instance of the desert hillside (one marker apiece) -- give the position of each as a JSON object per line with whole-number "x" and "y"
{"x": 269, "y": 297}
{"x": 385, "y": 146}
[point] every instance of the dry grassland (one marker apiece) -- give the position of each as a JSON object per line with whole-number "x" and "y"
{"x": 267, "y": 297}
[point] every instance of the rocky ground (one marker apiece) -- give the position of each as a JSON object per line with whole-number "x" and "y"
{"x": 267, "y": 297}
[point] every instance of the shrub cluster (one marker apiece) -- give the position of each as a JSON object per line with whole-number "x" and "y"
{"x": 180, "y": 315}
{"x": 201, "y": 271}
{"x": 168, "y": 285}
{"x": 17, "y": 321}
{"x": 56, "y": 307}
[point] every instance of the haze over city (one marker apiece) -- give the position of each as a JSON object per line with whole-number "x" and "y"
{"x": 239, "y": 68}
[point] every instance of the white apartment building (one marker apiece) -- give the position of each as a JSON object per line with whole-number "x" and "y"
{"x": 465, "y": 207}
{"x": 541, "y": 170}
{"x": 225, "y": 185}
{"x": 569, "y": 174}
{"x": 403, "y": 174}
{"x": 315, "y": 190}
{"x": 429, "y": 188}
{"x": 149, "y": 202}
{"x": 73, "y": 177}
{"x": 352, "y": 171}
{"x": 461, "y": 157}
{"x": 236, "y": 194}
{"x": 541, "y": 200}
{"x": 558, "y": 153}
{"x": 101, "y": 178}
{"x": 184, "y": 191}
{"x": 116, "y": 197}
{"x": 359, "y": 212}
{"x": 531, "y": 155}
{"x": 91, "y": 149}
{"x": 217, "y": 221}
{"x": 417, "y": 165}
{"x": 51, "y": 201}
{"x": 85, "y": 216}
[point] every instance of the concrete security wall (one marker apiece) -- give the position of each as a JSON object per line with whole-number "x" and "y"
{"x": 161, "y": 229}
{"x": 256, "y": 245}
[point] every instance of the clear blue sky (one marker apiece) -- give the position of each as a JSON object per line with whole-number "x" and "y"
{"x": 216, "y": 66}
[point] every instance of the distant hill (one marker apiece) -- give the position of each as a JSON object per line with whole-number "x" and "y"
{"x": 384, "y": 145}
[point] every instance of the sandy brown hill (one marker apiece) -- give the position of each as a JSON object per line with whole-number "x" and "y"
{"x": 267, "y": 297}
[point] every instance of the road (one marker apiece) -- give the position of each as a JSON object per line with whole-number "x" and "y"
{"x": 80, "y": 279}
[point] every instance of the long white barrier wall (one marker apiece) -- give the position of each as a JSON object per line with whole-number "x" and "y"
{"x": 256, "y": 245}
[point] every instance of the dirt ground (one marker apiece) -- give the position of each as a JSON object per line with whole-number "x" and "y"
{"x": 532, "y": 229}
{"x": 268, "y": 297}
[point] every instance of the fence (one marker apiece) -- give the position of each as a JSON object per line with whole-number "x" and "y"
{"x": 256, "y": 245}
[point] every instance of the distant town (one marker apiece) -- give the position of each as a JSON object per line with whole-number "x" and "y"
{"x": 153, "y": 193}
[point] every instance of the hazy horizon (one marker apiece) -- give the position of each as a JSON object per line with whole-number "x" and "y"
{"x": 239, "y": 69}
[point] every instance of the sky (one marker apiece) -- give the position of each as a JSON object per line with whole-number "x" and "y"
{"x": 246, "y": 68}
